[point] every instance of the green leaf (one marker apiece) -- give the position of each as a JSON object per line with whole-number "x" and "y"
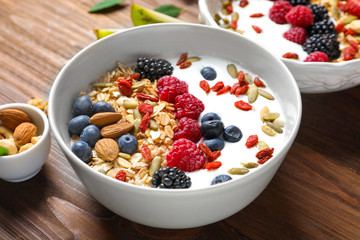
{"x": 169, "y": 10}
{"x": 3, "y": 151}
{"x": 104, "y": 5}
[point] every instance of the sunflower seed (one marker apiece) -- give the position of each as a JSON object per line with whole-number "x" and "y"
{"x": 264, "y": 111}
{"x": 238, "y": 171}
{"x": 265, "y": 94}
{"x": 252, "y": 93}
{"x": 273, "y": 126}
{"x": 137, "y": 114}
{"x": 268, "y": 130}
{"x": 231, "y": 68}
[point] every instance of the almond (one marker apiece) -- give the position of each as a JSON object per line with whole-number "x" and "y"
{"x": 116, "y": 130}
{"x": 11, "y": 117}
{"x": 105, "y": 118}
{"x": 23, "y": 133}
{"x": 107, "y": 149}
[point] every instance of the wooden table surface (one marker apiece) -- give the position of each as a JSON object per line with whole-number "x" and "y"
{"x": 314, "y": 195}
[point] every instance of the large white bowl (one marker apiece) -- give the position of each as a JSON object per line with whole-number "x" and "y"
{"x": 167, "y": 208}
{"x": 311, "y": 77}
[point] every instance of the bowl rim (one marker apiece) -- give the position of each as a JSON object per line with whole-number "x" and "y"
{"x": 46, "y": 129}
{"x": 75, "y": 160}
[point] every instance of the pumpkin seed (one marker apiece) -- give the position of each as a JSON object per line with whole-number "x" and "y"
{"x": 263, "y": 111}
{"x": 261, "y": 145}
{"x": 239, "y": 31}
{"x": 250, "y": 164}
{"x": 102, "y": 84}
{"x": 268, "y": 130}
{"x": 224, "y": 11}
{"x": 155, "y": 165}
{"x": 273, "y": 126}
{"x": 348, "y": 19}
{"x": 192, "y": 59}
{"x": 136, "y": 113}
{"x": 248, "y": 78}
{"x": 136, "y": 125}
{"x": 130, "y": 118}
{"x": 138, "y": 84}
{"x": 130, "y": 103}
{"x": 231, "y": 68}
{"x": 217, "y": 18}
{"x": 234, "y": 16}
{"x": 125, "y": 155}
{"x": 238, "y": 171}
{"x": 265, "y": 94}
{"x": 226, "y": 3}
{"x": 252, "y": 93}
{"x": 153, "y": 125}
{"x": 279, "y": 123}
{"x": 271, "y": 116}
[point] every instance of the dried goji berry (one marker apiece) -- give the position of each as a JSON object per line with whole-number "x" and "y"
{"x": 219, "y": 85}
{"x": 124, "y": 90}
{"x": 224, "y": 90}
{"x": 213, "y": 165}
{"x": 135, "y": 76}
{"x": 241, "y": 90}
{"x": 264, "y": 153}
{"x": 182, "y": 59}
{"x": 205, "y": 86}
{"x": 145, "y": 121}
{"x": 234, "y": 87}
{"x": 215, "y": 155}
{"x": 354, "y": 44}
{"x": 233, "y": 24}
{"x": 229, "y": 9}
{"x": 142, "y": 96}
{"x": 243, "y": 3}
{"x": 343, "y": 6}
{"x": 339, "y": 27}
{"x": 145, "y": 152}
{"x": 145, "y": 107}
{"x": 243, "y": 105}
{"x": 125, "y": 81}
{"x": 185, "y": 65}
{"x": 241, "y": 78}
{"x": 205, "y": 149}
{"x": 121, "y": 175}
{"x": 264, "y": 159}
{"x": 291, "y": 55}
{"x": 256, "y": 15}
{"x": 350, "y": 32}
{"x": 349, "y": 53}
{"x": 258, "y": 82}
{"x": 257, "y": 29}
{"x": 251, "y": 141}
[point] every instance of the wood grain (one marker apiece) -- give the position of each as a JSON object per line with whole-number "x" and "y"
{"x": 314, "y": 195}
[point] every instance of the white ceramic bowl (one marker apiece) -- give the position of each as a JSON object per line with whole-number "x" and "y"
{"x": 23, "y": 166}
{"x": 311, "y": 77}
{"x": 166, "y": 208}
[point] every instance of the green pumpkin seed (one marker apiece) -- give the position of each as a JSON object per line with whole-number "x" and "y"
{"x": 268, "y": 130}
{"x": 273, "y": 126}
{"x": 217, "y": 18}
{"x": 252, "y": 93}
{"x": 250, "y": 164}
{"x": 136, "y": 113}
{"x": 279, "y": 123}
{"x": 136, "y": 127}
{"x": 271, "y": 116}
{"x": 234, "y": 16}
{"x": 130, "y": 103}
{"x": 248, "y": 78}
{"x": 155, "y": 165}
{"x": 138, "y": 84}
{"x": 231, "y": 68}
{"x": 238, "y": 171}
{"x": 265, "y": 94}
{"x": 153, "y": 125}
{"x": 125, "y": 155}
{"x": 263, "y": 111}
{"x": 102, "y": 84}
{"x": 192, "y": 59}
{"x": 261, "y": 145}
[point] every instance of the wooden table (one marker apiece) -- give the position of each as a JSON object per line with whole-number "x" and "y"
{"x": 314, "y": 195}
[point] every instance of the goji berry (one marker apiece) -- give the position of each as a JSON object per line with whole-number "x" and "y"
{"x": 224, "y": 90}
{"x": 142, "y": 96}
{"x": 354, "y": 44}
{"x": 121, "y": 175}
{"x": 233, "y": 24}
{"x": 145, "y": 107}
{"x": 124, "y": 90}
{"x": 243, "y": 105}
{"x": 256, "y": 15}
{"x": 125, "y": 81}
{"x": 205, "y": 86}
{"x": 264, "y": 159}
{"x": 349, "y": 53}
{"x": 213, "y": 165}
{"x": 182, "y": 59}
{"x": 145, "y": 152}
{"x": 350, "y": 32}
{"x": 241, "y": 78}
{"x": 219, "y": 85}
{"x": 258, "y": 82}
{"x": 215, "y": 155}
{"x": 243, "y": 3}
{"x": 257, "y": 29}
{"x": 290, "y": 55}
{"x": 205, "y": 149}
{"x": 185, "y": 65}
{"x": 234, "y": 87}
{"x": 229, "y": 9}
{"x": 241, "y": 90}
{"x": 145, "y": 121}
{"x": 264, "y": 153}
{"x": 344, "y": 7}
{"x": 135, "y": 76}
{"x": 251, "y": 141}
{"x": 339, "y": 27}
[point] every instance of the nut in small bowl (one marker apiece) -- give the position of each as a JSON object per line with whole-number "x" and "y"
{"x": 24, "y": 141}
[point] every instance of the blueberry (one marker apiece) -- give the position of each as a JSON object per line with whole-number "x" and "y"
{"x": 208, "y": 73}
{"x": 128, "y": 144}
{"x": 210, "y": 116}
{"x": 90, "y": 134}
{"x": 102, "y": 106}
{"x": 220, "y": 179}
{"x": 77, "y": 124}
{"x": 232, "y": 134}
{"x": 82, "y": 106}
{"x": 215, "y": 144}
{"x": 82, "y": 150}
{"x": 212, "y": 129}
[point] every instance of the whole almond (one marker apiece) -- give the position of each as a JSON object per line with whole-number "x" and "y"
{"x": 116, "y": 130}
{"x": 11, "y": 117}
{"x": 105, "y": 118}
{"x": 24, "y": 132}
{"x": 107, "y": 149}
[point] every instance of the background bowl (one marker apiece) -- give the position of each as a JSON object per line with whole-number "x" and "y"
{"x": 25, "y": 165}
{"x": 311, "y": 77}
{"x": 166, "y": 208}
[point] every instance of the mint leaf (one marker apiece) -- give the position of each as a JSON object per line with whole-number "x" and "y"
{"x": 104, "y": 5}
{"x": 169, "y": 10}
{"x": 3, "y": 151}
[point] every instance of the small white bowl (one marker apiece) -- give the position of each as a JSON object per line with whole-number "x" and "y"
{"x": 169, "y": 208}
{"x": 311, "y": 77}
{"x": 25, "y": 165}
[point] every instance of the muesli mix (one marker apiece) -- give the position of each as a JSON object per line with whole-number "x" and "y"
{"x": 143, "y": 127}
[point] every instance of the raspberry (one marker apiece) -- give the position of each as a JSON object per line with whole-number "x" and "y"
{"x": 187, "y": 105}
{"x": 188, "y": 128}
{"x": 186, "y": 156}
{"x": 296, "y": 35}
{"x": 354, "y": 7}
{"x": 169, "y": 87}
{"x": 278, "y": 11}
{"x": 300, "y": 16}
{"x": 317, "y": 57}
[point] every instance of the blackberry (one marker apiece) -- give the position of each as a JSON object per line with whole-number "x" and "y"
{"x": 319, "y": 11}
{"x": 326, "y": 43}
{"x": 170, "y": 177}
{"x": 152, "y": 68}
{"x": 298, "y": 2}
{"x": 325, "y": 26}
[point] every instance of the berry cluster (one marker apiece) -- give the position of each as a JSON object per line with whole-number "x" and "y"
{"x": 170, "y": 177}
{"x": 153, "y": 69}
